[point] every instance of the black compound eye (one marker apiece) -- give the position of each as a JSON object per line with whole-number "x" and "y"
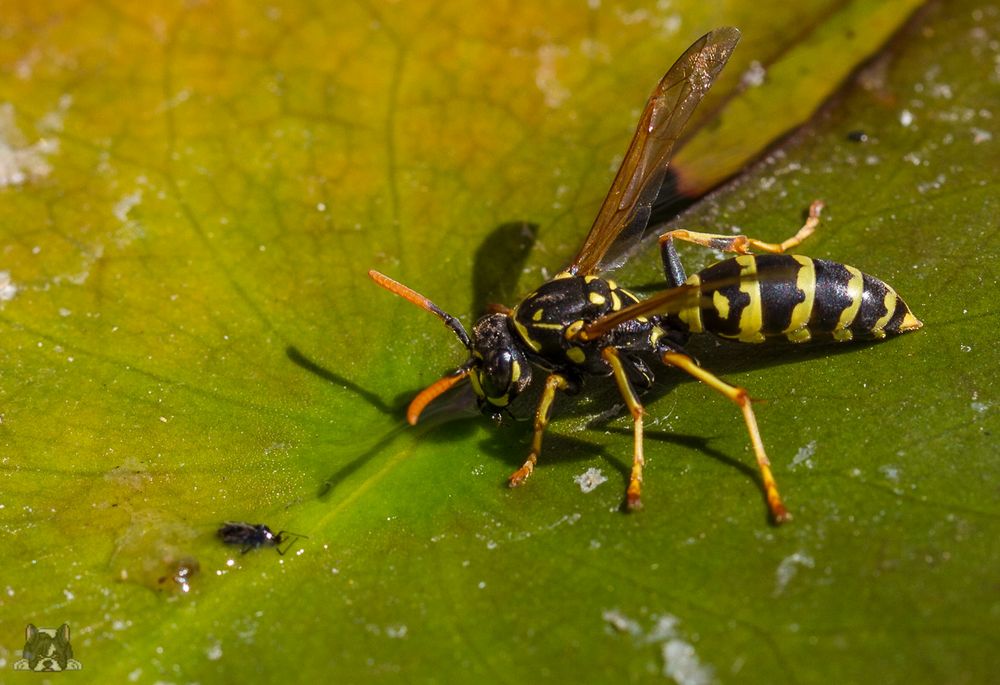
{"x": 496, "y": 375}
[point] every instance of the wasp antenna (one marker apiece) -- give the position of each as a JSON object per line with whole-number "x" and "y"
{"x": 432, "y": 392}
{"x": 416, "y": 298}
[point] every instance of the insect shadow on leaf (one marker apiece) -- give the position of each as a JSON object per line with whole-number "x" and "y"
{"x": 499, "y": 261}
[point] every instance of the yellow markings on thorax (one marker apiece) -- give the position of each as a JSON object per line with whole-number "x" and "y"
{"x": 751, "y": 318}
{"x": 629, "y": 295}
{"x": 575, "y": 354}
{"x": 805, "y": 281}
{"x": 855, "y": 286}
{"x": 526, "y": 336}
{"x": 878, "y": 330}
{"x": 691, "y": 316}
{"x": 562, "y": 274}
{"x": 616, "y": 302}
{"x": 574, "y": 329}
{"x": 536, "y": 321}
{"x": 597, "y": 298}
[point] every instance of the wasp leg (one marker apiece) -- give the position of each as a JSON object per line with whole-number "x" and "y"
{"x": 739, "y": 244}
{"x": 291, "y": 539}
{"x": 634, "y": 491}
{"x": 741, "y": 398}
{"x": 553, "y": 383}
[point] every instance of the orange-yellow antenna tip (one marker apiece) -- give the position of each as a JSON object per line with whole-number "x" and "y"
{"x": 430, "y": 393}
{"x": 401, "y": 290}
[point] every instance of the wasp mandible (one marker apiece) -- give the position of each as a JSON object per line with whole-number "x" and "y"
{"x": 581, "y": 324}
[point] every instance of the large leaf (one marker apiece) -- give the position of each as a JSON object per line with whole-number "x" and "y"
{"x": 191, "y": 197}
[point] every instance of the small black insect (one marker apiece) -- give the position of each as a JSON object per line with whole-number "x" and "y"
{"x": 581, "y": 324}
{"x": 253, "y": 535}
{"x": 858, "y": 136}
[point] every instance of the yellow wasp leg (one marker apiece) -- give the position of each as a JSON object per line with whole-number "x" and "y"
{"x": 610, "y": 355}
{"x": 741, "y": 398}
{"x": 553, "y": 383}
{"x": 741, "y": 244}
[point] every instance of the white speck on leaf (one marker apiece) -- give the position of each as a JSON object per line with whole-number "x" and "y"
{"x": 622, "y": 623}
{"x": 980, "y": 136}
{"x": 665, "y": 628}
{"x": 680, "y": 660}
{"x": 788, "y": 568}
{"x": 804, "y": 455}
{"x": 681, "y": 663}
{"x": 8, "y": 289}
{"x": 754, "y": 76}
{"x": 546, "y": 79}
{"x": 590, "y": 479}
{"x": 890, "y": 472}
{"x": 125, "y": 205}
{"x": 21, "y": 162}
{"x": 936, "y": 184}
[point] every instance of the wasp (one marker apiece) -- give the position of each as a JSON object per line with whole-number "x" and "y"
{"x": 581, "y": 323}
{"x": 253, "y": 535}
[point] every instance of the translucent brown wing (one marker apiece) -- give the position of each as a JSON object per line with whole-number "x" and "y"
{"x": 625, "y": 212}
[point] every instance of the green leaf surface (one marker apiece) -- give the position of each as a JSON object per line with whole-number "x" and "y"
{"x": 190, "y": 197}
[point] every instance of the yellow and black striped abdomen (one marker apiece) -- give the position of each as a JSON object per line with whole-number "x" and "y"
{"x": 760, "y": 298}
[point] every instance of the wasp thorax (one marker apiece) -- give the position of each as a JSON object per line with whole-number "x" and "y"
{"x": 500, "y": 368}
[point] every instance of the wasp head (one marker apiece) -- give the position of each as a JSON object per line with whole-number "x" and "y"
{"x": 499, "y": 369}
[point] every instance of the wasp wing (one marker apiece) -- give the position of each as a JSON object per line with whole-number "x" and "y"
{"x": 625, "y": 213}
